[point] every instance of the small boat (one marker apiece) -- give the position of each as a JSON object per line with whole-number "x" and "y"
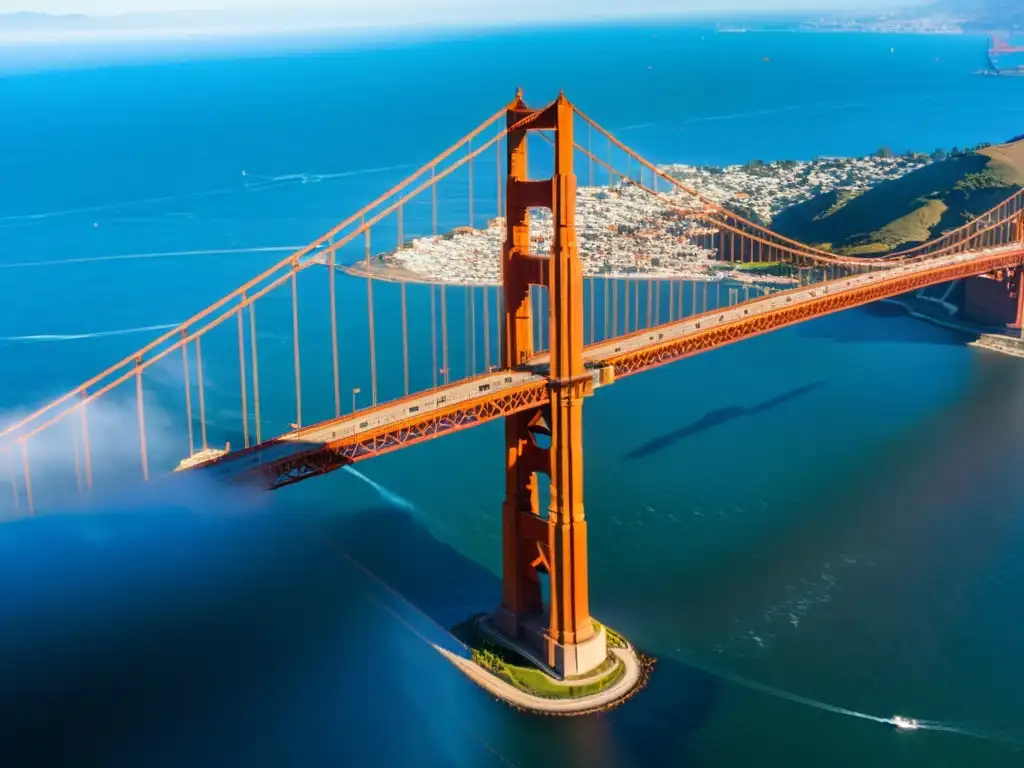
{"x": 905, "y": 723}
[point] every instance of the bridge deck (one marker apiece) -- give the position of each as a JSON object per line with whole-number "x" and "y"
{"x": 323, "y": 447}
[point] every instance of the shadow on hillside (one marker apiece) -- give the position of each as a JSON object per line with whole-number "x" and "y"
{"x": 858, "y": 219}
{"x": 965, "y": 205}
{"x": 717, "y": 418}
{"x": 169, "y": 639}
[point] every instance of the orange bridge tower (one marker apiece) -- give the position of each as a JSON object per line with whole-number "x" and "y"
{"x": 548, "y": 440}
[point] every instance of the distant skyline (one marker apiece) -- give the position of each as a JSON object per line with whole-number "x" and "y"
{"x": 137, "y": 21}
{"x": 487, "y": 8}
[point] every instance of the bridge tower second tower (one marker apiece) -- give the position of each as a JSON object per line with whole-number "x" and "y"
{"x": 548, "y": 440}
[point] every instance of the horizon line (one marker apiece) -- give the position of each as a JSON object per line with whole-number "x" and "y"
{"x": 314, "y": 28}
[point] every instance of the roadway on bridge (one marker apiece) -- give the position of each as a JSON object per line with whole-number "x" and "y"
{"x": 373, "y": 420}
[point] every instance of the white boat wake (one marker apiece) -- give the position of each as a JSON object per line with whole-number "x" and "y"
{"x": 96, "y": 335}
{"x": 900, "y": 722}
{"x": 159, "y": 255}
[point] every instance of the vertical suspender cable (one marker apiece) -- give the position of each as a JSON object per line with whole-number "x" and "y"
{"x": 433, "y": 331}
{"x": 469, "y": 150}
{"x": 405, "y": 338}
{"x": 78, "y": 462}
{"x": 610, "y": 180}
{"x": 369, "y": 304}
{"x": 650, "y": 300}
{"x": 86, "y": 448}
{"x": 14, "y": 482}
{"x": 28, "y": 478}
{"x": 472, "y": 326}
{"x": 590, "y": 153}
{"x": 188, "y": 392}
{"x": 487, "y": 331}
{"x": 295, "y": 343}
{"x": 625, "y": 313}
{"x": 405, "y": 316}
{"x": 433, "y": 195}
{"x": 605, "y": 305}
{"x": 255, "y": 373}
{"x": 331, "y": 264}
{"x": 497, "y": 157}
{"x": 592, "y": 287}
{"x": 142, "y": 417}
{"x": 202, "y": 395}
{"x": 465, "y": 316}
{"x": 243, "y": 384}
{"x": 444, "y": 335}
{"x": 499, "y": 320}
{"x": 615, "y": 306}
{"x": 636, "y": 303}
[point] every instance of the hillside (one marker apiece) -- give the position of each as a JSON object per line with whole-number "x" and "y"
{"x": 981, "y": 15}
{"x": 911, "y": 209}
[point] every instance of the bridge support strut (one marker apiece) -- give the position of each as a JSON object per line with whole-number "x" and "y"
{"x": 547, "y": 440}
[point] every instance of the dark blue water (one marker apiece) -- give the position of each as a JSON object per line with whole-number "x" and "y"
{"x": 828, "y": 513}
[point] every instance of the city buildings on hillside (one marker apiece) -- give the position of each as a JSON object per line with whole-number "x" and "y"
{"x": 623, "y": 230}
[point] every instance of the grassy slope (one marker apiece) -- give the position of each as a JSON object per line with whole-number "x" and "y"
{"x": 909, "y": 210}
{"x": 520, "y": 673}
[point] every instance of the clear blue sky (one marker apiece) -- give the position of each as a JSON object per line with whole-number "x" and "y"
{"x": 582, "y": 8}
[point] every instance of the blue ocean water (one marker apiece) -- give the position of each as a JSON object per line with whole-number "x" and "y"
{"x": 827, "y": 516}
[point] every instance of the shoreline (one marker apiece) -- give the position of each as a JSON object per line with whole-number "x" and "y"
{"x": 985, "y": 338}
{"x": 394, "y": 273}
{"x": 914, "y": 307}
{"x": 624, "y": 234}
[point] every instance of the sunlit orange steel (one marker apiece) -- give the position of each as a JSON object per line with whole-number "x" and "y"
{"x": 987, "y": 243}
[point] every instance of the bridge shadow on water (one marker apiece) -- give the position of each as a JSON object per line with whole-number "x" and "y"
{"x": 169, "y": 638}
{"x": 717, "y": 418}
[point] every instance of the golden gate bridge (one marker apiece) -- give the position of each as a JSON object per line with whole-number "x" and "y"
{"x": 537, "y": 342}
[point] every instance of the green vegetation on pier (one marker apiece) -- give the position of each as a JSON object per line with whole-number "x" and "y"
{"x": 514, "y": 669}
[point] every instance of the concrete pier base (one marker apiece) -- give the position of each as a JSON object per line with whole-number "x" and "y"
{"x": 560, "y": 660}
{"x": 568, "y": 660}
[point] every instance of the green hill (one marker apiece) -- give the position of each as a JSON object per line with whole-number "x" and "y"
{"x": 909, "y": 210}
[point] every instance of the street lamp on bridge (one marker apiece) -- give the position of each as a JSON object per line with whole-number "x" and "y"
{"x": 355, "y": 391}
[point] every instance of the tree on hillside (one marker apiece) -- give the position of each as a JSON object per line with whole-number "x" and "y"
{"x": 939, "y": 155}
{"x": 884, "y": 152}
